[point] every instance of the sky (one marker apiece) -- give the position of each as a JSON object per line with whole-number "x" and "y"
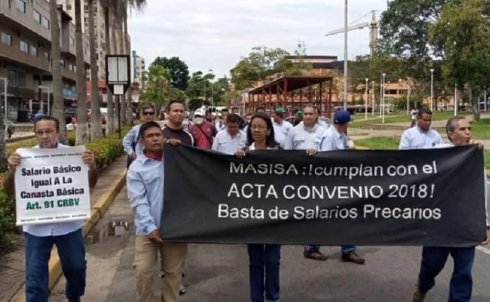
{"x": 216, "y": 34}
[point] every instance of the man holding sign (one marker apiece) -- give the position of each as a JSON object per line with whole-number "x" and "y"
{"x": 40, "y": 237}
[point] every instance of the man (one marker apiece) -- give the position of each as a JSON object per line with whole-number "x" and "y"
{"x": 232, "y": 138}
{"x": 67, "y": 236}
{"x": 174, "y": 131}
{"x": 307, "y": 136}
{"x": 420, "y": 136}
{"x": 335, "y": 139}
{"x": 145, "y": 193}
{"x": 434, "y": 258}
{"x": 131, "y": 142}
{"x": 281, "y": 127}
{"x": 220, "y": 123}
{"x": 202, "y": 131}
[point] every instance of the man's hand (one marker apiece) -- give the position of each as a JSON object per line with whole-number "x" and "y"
{"x": 13, "y": 162}
{"x": 155, "y": 236}
{"x": 133, "y": 156}
{"x": 487, "y": 239}
{"x": 240, "y": 153}
{"x": 173, "y": 141}
{"x": 88, "y": 158}
{"x": 310, "y": 152}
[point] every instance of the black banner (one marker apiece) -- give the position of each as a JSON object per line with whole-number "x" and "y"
{"x": 417, "y": 197}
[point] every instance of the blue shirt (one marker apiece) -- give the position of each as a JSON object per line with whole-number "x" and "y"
{"x": 132, "y": 137}
{"x": 333, "y": 140}
{"x": 53, "y": 229}
{"x": 302, "y": 138}
{"x": 415, "y": 138}
{"x": 144, "y": 184}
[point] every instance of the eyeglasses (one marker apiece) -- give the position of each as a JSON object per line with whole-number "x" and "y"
{"x": 46, "y": 131}
{"x": 148, "y": 113}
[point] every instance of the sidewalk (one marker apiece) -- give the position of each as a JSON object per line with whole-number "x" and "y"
{"x": 12, "y": 267}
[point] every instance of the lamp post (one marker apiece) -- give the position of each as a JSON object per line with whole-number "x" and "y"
{"x": 455, "y": 100}
{"x": 49, "y": 93}
{"x": 345, "y": 55}
{"x": 366, "y": 99}
{"x": 212, "y": 98}
{"x": 432, "y": 89}
{"x": 5, "y": 81}
{"x": 383, "y": 99}
{"x": 372, "y": 99}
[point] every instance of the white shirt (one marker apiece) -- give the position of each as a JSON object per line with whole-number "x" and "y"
{"x": 281, "y": 131}
{"x": 302, "y": 138}
{"x": 415, "y": 138}
{"x": 53, "y": 229}
{"x": 224, "y": 143}
{"x": 333, "y": 140}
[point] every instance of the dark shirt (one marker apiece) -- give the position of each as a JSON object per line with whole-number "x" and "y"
{"x": 183, "y": 135}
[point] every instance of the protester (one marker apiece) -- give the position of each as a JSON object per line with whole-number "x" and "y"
{"x": 38, "y": 115}
{"x": 174, "y": 131}
{"x": 40, "y": 238}
{"x": 421, "y": 136}
{"x": 145, "y": 193}
{"x": 335, "y": 139}
{"x": 413, "y": 117}
{"x": 458, "y": 132}
{"x": 232, "y": 138}
{"x": 298, "y": 117}
{"x": 281, "y": 126}
{"x": 220, "y": 123}
{"x": 264, "y": 258}
{"x": 131, "y": 142}
{"x": 202, "y": 130}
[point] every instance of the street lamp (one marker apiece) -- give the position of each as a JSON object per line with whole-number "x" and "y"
{"x": 383, "y": 99}
{"x": 366, "y": 99}
{"x": 5, "y": 81}
{"x": 345, "y": 55}
{"x": 372, "y": 99}
{"x": 49, "y": 93}
{"x": 432, "y": 89}
{"x": 212, "y": 98}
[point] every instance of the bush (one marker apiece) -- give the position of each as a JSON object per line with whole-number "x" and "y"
{"x": 7, "y": 221}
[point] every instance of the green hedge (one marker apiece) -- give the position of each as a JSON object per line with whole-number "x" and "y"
{"x": 106, "y": 149}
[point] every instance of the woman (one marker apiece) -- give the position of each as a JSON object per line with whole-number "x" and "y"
{"x": 264, "y": 258}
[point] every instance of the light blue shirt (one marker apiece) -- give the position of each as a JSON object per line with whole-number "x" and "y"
{"x": 53, "y": 229}
{"x": 281, "y": 132}
{"x": 415, "y": 138}
{"x": 224, "y": 143}
{"x": 302, "y": 138}
{"x": 333, "y": 140}
{"x": 130, "y": 138}
{"x": 144, "y": 184}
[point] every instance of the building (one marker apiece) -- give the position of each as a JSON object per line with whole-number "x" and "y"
{"x": 25, "y": 56}
{"x": 138, "y": 68}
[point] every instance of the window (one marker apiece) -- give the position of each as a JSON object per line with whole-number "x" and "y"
{"x": 24, "y": 47}
{"x": 72, "y": 41}
{"x": 33, "y": 50}
{"x": 62, "y": 63}
{"x": 44, "y": 22}
{"x": 6, "y": 39}
{"x": 37, "y": 16}
{"x": 21, "y": 6}
{"x": 47, "y": 55}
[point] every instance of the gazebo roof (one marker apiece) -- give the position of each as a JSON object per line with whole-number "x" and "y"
{"x": 290, "y": 82}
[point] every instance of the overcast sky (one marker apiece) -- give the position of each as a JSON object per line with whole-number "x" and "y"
{"x": 215, "y": 34}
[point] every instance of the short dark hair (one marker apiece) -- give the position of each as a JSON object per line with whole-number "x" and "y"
{"x": 233, "y": 118}
{"x": 48, "y": 118}
{"x": 147, "y": 125}
{"x": 147, "y": 106}
{"x": 224, "y": 110}
{"x": 423, "y": 111}
{"x": 174, "y": 102}
{"x": 260, "y": 109}
{"x": 270, "y": 141}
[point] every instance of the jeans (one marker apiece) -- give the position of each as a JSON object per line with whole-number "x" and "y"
{"x": 433, "y": 261}
{"x": 345, "y": 249}
{"x": 71, "y": 251}
{"x": 264, "y": 258}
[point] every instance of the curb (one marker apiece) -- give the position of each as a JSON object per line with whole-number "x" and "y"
{"x": 97, "y": 211}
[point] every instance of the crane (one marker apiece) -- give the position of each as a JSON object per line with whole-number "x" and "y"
{"x": 373, "y": 34}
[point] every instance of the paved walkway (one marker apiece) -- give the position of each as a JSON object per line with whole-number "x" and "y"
{"x": 12, "y": 266}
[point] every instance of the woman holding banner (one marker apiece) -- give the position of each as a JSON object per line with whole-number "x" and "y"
{"x": 264, "y": 258}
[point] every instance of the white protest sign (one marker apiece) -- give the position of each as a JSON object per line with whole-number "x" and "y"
{"x": 51, "y": 185}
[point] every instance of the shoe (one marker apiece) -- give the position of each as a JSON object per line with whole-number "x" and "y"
{"x": 182, "y": 290}
{"x": 353, "y": 257}
{"x": 418, "y": 296}
{"x": 315, "y": 255}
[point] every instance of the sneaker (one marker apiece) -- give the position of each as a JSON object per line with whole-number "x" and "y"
{"x": 418, "y": 296}
{"x": 182, "y": 290}
{"x": 353, "y": 257}
{"x": 314, "y": 255}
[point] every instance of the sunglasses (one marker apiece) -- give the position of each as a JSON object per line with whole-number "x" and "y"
{"x": 148, "y": 113}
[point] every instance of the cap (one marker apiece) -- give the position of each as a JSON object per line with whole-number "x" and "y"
{"x": 280, "y": 110}
{"x": 299, "y": 113}
{"x": 341, "y": 117}
{"x": 199, "y": 112}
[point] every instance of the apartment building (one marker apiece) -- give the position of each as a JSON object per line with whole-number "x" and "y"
{"x": 25, "y": 56}
{"x": 138, "y": 68}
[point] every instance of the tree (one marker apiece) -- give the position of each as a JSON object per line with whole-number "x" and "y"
{"x": 179, "y": 71}
{"x": 462, "y": 33}
{"x": 108, "y": 8}
{"x": 96, "y": 122}
{"x": 82, "y": 126}
{"x": 158, "y": 89}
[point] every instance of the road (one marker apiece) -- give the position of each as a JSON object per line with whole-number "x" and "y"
{"x": 220, "y": 272}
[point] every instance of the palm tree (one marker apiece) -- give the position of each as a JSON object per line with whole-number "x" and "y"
{"x": 58, "y": 103}
{"x": 82, "y": 125}
{"x": 96, "y": 127}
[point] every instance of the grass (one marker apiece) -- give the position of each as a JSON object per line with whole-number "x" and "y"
{"x": 481, "y": 129}
{"x": 359, "y": 120}
{"x": 391, "y": 143}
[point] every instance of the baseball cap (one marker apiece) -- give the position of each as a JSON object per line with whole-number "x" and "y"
{"x": 341, "y": 117}
{"x": 280, "y": 110}
{"x": 199, "y": 112}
